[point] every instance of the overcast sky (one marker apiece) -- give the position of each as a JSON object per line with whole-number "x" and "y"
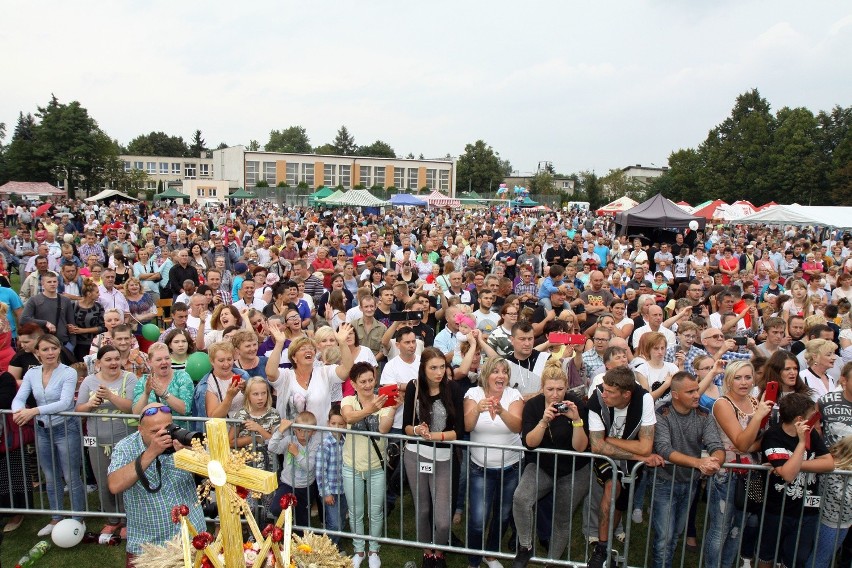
{"x": 585, "y": 85}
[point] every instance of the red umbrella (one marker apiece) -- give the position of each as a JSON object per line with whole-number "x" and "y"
{"x": 42, "y": 209}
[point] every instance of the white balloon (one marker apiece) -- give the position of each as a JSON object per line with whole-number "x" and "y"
{"x": 693, "y": 225}
{"x": 67, "y": 533}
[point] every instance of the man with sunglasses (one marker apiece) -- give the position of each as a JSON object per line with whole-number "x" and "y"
{"x": 142, "y": 470}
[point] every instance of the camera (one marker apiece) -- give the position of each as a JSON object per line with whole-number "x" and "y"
{"x": 561, "y": 407}
{"x": 182, "y": 435}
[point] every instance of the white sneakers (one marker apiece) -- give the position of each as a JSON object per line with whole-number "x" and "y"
{"x": 637, "y": 516}
{"x": 46, "y": 530}
{"x": 374, "y": 561}
{"x": 492, "y": 563}
{"x": 357, "y": 559}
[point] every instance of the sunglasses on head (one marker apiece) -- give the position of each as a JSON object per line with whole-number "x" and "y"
{"x": 155, "y": 409}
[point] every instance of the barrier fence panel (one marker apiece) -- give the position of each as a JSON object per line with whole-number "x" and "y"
{"x": 401, "y": 490}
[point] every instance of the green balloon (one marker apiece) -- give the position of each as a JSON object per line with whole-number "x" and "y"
{"x": 198, "y": 365}
{"x": 151, "y": 332}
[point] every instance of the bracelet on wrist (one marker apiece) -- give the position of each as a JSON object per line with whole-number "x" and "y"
{"x": 577, "y": 423}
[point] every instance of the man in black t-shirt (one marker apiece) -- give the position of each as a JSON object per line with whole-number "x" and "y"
{"x": 796, "y": 452}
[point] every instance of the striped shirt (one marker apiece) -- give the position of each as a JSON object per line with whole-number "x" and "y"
{"x": 86, "y": 250}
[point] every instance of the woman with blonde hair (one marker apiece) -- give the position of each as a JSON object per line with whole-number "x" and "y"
{"x": 654, "y": 374}
{"x": 143, "y": 308}
{"x": 224, "y": 397}
{"x": 739, "y": 416}
{"x": 163, "y": 384}
{"x": 492, "y": 415}
{"x": 224, "y": 316}
{"x": 304, "y": 386}
{"x": 820, "y": 355}
{"x": 553, "y": 419}
{"x": 245, "y": 354}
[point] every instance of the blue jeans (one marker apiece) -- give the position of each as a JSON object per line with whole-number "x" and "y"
{"x": 828, "y": 540}
{"x": 491, "y": 492}
{"x": 60, "y": 455}
{"x": 362, "y": 488}
{"x": 670, "y": 509}
{"x": 725, "y": 523}
{"x": 334, "y": 515}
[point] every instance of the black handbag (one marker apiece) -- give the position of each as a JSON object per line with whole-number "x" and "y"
{"x": 750, "y": 489}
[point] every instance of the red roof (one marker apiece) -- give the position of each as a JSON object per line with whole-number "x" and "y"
{"x": 708, "y": 210}
{"x": 31, "y": 188}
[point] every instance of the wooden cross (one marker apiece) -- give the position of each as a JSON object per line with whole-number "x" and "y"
{"x": 218, "y": 468}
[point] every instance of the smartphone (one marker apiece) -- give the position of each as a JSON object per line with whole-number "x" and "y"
{"x": 390, "y": 391}
{"x": 811, "y": 422}
{"x": 562, "y": 338}
{"x": 405, "y": 316}
{"x": 696, "y": 310}
{"x": 740, "y": 341}
{"x": 428, "y": 287}
{"x": 770, "y": 395}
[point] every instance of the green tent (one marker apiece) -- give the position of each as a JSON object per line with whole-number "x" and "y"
{"x": 171, "y": 193}
{"x": 320, "y": 194}
{"x": 242, "y": 194}
{"x": 527, "y": 202}
{"x": 331, "y": 199}
{"x": 470, "y": 198}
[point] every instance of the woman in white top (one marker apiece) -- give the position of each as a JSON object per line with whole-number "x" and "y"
{"x": 655, "y": 372}
{"x": 305, "y": 387}
{"x": 697, "y": 260}
{"x": 224, "y": 316}
{"x": 820, "y": 355}
{"x": 224, "y": 397}
{"x": 492, "y": 415}
{"x": 335, "y": 309}
{"x": 623, "y": 324}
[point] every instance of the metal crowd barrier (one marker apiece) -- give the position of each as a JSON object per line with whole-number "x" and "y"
{"x": 628, "y": 546}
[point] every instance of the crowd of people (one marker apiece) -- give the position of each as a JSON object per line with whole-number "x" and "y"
{"x": 520, "y": 332}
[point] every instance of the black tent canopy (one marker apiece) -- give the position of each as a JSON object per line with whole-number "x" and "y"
{"x": 657, "y": 213}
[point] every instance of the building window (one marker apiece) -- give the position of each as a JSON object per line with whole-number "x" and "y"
{"x": 212, "y": 192}
{"x": 189, "y": 171}
{"x": 308, "y": 174}
{"x": 126, "y": 166}
{"x": 164, "y": 168}
{"x": 251, "y": 173}
{"x": 431, "y": 174}
{"x": 379, "y": 178}
{"x": 330, "y": 174}
{"x": 412, "y": 178}
{"x": 138, "y": 166}
{"x": 292, "y": 177}
{"x": 444, "y": 178}
{"x": 269, "y": 172}
{"x": 200, "y": 192}
{"x": 346, "y": 176}
{"x": 399, "y": 178}
{"x": 175, "y": 168}
{"x": 204, "y": 170}
{"x": 152, "y": 185}
{"x": 365, "y": 177}
{"x": 151, "y": 168}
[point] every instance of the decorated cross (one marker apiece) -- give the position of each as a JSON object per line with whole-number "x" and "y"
{"x": 218, "y": 465}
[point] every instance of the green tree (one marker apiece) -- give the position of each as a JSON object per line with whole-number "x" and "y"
{"x": 197, "y": 146}
{"x": 293, "y": 139}
{"x": 797, "y": 168}
{"x": 680, "y": 182}
{"x": 22, "y": 163}
{"x": 409, "y": 156}
{"x": 253, "y": 146}
{"x": 222, "y": 146}
{"x": 735, "y": 152}
{"x": 377, "y": 149}
{"x": 591, "y": 186}
{"x": 157, "y": 144}
{"x": 479, "y": 168}
{"x": 615, "y": 185}
{"x": 69, "y": 143}
{"x": 542, "y": 184}
{"x": 326, "y": 150}
{"x": 344, "y": 143}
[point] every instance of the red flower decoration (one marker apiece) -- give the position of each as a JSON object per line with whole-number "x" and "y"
{"x": 199, "y": 542}
{"x": 176, "y": 514}
{"x": 267, "y": 530}
{"x": 208, "y": 538}
{"x": 277, "y": 534}
{"x": 184, "y": 511}
{"x": 242, "y": 492}
{"x": 288, "y": 500}
{"x": 205, "y": 563}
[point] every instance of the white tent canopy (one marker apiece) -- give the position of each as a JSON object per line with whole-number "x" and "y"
{"x": 357, "y": 198}
{"x": 107, "y": 193}
{"x": 824, "y": 216}
{"x": 623, "y": 203}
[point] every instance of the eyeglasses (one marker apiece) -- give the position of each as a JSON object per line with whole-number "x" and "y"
{"x": 511, "y": 313}
{"x": 715, "y": 336}
{"x": 155, "y": 409}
